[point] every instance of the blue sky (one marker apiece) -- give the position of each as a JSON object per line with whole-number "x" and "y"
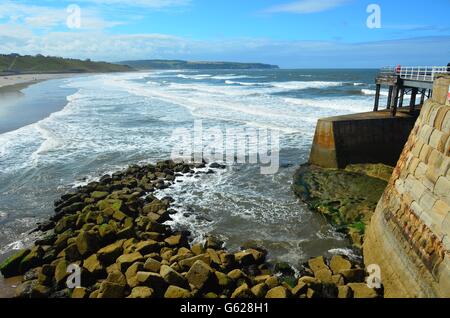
{"x": 290, "y": 33}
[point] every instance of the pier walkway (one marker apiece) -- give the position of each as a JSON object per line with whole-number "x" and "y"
{"x": 402, "y": 81}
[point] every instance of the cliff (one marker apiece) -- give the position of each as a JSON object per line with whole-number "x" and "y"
{"x": 178, "y": 65}
{"x": 408, "y": 236}
{"x": 18, "y": 64}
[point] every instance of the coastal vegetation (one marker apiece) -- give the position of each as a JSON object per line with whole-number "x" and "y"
{"x": 186, "y": 65}
{"x": 17, "y": 64}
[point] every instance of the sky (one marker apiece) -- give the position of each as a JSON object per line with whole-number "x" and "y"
{"x": 289, "y": 33}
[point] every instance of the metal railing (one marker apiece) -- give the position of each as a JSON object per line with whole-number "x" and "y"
{"x": 422, "y": 73}
{"x": 416, "y": 73}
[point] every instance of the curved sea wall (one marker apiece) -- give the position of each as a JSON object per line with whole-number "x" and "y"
{"x": 408, "y": 236}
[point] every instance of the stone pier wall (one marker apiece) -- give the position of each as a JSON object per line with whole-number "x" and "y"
{"x": 409, "y": 234}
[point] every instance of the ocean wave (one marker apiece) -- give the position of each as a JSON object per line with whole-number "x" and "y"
{"x": 373, "y": 92}
{"x": 209, "y": 89}
{"x": 233, "y": 76}
{"x": 298, "y": 85}
{"x": 3, "y": 216}
{"x": 194, "y": 77}
{"x": 342, "y": 104}
{"x": 243, "y": 83}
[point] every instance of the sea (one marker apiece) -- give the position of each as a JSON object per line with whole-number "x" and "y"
{"x": 60, "y": 134}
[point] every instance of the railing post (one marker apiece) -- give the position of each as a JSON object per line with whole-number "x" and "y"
{"x": 377, "y": 98}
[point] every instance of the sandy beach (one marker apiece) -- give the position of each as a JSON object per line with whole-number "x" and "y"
{"x": 26, "y": 99}
{"x": 17, "y": 82}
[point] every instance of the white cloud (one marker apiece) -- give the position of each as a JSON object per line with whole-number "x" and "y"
{"x": 99, "y": 45}
{"x": 39, "y": 17}
{"x": 307, "y": 6}
{"x": 156, "y": 4}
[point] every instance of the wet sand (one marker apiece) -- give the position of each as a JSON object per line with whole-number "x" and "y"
{"x": 25, "y": 99}
{"x": 18, "y": 82}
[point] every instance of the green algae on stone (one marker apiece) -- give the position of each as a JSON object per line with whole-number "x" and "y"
{"x": 11, "y": 266}
{"x": 347, "y": 198}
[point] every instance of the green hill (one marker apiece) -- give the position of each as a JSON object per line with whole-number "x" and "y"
{"x": 179, "y": 64}
{"x": 17, "y": 64}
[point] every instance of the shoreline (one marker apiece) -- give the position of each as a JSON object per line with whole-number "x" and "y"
{"x": 114, "y": 229}
{"x": 24, "y": 103}
{"x": 11, "y": 83}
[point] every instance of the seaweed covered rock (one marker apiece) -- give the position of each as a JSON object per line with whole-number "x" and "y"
{"x": 114, "y": 231}
{"x": 348, "y": 198}
{"x": 11, "y": 266}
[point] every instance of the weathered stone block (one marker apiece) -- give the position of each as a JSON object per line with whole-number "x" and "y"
{"x": 417, "y": 148}
{"x": 441, "y": 208}
{"x": 420, "y": 170}
{"x": 439, "y": 120}
{"x": 427, "y": 201}
{"x": 416, "y": 188}
{"x": 446, "y": 122}
{"x": 442, "y": 189}
{"x": 416, "y": 208}
{"x": 445, "y": 137}
{"x": 425, "y": 153}
{"x": 425, "y": 133}
{"x": 435, "y": 138}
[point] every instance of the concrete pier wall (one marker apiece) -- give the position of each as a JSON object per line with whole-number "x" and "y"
{"x": 373, "y": 137}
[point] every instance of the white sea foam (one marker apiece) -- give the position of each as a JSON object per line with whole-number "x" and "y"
{"x": 3, "y": 216}
{"x": 297, "y": 85}
{"x": 373, "y": 92}
{"x": 341, "y": 104}
{"x": 243, "y": 83}
{"x": 233, "y": 76}
{"x": 116, "y": 119}
{"x": 345, "y": 251}
{"x": 194, "y": 77}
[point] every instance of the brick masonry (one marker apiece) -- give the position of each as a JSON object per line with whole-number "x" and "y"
{"x": 412, "y": 221}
